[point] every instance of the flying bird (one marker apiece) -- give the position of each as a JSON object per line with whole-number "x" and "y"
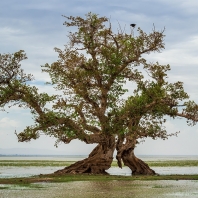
{"x": 133, "y": 25}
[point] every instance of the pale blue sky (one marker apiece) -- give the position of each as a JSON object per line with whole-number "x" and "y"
{"x": 36, "y": 26}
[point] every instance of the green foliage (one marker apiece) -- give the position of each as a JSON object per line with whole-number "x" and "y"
{"x": 91, "y": 72}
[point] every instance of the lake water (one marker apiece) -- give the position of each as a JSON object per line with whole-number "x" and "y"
{"x": 84, "y": 189}
{"x": 12, "y": 171}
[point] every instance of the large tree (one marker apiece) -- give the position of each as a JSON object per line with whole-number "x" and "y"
{"x": 91, "y": 72}
{"x": 152, "y": 102}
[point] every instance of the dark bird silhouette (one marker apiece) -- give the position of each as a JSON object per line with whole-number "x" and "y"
{"x": 133, "y": 25}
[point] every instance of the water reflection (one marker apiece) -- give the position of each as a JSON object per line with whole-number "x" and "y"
{"x": 9, "y": 172}
{"x": 12, "y": 171}
{"x": 116, "y": 189}
{"x": 160, "y": 170}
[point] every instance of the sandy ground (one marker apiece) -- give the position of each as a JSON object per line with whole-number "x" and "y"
{"x": 113, "y": 189}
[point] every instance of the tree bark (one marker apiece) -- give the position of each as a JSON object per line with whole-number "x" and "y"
{"x": 125, "y": 153}
{"x": 98, "y": 161}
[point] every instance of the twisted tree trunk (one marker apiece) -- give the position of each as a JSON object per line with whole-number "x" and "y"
{"x": 98, "y": 161}
{"x": 125, "y": 153}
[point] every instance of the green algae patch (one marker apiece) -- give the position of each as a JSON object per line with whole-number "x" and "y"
{"x": 162, "y": 186}
{"x": 21, "y": 186}
{"x": 4, "y": 187}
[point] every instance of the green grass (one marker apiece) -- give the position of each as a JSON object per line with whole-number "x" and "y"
{"x": 4, "y": 187}
{"x": 21, "y": 185}
{"x": 43, "y": 163}
{"x": 23, "y": 163}
{"x": 170, "y": 163}
{"x": 162, "y": 186}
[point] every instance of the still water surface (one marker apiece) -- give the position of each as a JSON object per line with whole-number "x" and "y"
{"x": 99, "y": 189}
{"x": 12, "y": 171}
{"x": 9, "y": 172}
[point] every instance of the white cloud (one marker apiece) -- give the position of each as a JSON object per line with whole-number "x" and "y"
{"x": 7, "y": 122}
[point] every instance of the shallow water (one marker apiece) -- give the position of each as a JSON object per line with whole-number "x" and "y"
{"x": 160, "y": 170}
{"x": 193, "y": 170}
{"x": 14, "y": 171}
{"x": 96, "y": 189}
{"x": 8, "y": 172}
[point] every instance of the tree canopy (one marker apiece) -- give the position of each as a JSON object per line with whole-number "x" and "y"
{"x": 92, "y": 72}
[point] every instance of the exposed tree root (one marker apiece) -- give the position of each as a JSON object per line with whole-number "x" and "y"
{"x": 125, "y": 153}
{"x": 98, "y": 162}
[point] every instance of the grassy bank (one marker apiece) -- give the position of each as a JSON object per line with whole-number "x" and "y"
{"x": 23, "y": 163}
